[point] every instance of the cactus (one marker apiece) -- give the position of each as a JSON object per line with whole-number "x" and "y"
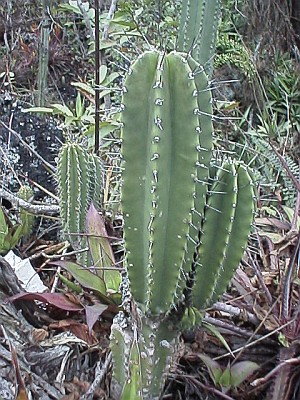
{"x": 169, "y": 212}
{"x": 27, "y": 220}
{"x": 185, "y": 225}
{"x": 160, "y": 168}
{"x": 79, "y": 176}
{"x": 198, "y": 30}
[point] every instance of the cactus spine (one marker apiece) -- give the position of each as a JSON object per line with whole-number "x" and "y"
{"x": 185, "y": 231}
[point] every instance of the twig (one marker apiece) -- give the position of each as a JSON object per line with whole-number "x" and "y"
{"x": 228, "y": 327}
{"x": 251, "y": 344}
{"x": 112, "y": 9}
{"x": 110, "y": 14}
{"x": 260, "y": 278}
{"x": 29, "y": 148}
{"x": 42, "y": 81}
{"x": 265, "y": 379}
{"x": 58, "y": 271}
{"x": 36, "y": 209}
{"x": 97, "y": 76}
{"x": 99, "y": 376}
{"x": 86, "y": 18}
{"x": 236, "y": 312}
{"x": 287, "y": 286}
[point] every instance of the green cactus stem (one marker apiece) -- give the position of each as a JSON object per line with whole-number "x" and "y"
{"x": 80, "y": 182}
{"x": 73, "y": 189}
{"x": 224, "y": 234}
{"x": 142, "y": 356}
{"x": 160, "y": 146}
{"x": 198, "y": 29}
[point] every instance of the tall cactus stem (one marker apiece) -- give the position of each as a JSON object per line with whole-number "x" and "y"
{"x": 197, "y": 30}
{"x": 80, "y": 181}
{"x": 162, "y": 144}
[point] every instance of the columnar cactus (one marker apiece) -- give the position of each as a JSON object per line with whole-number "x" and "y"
{"x": 185, "y": 230}
{"x": 160, "y": 147}
{"x": 180, "y": 237}
{"x": 80, "y": 182}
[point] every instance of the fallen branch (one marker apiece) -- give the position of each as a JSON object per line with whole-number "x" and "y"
{"x": 37, "y": 209}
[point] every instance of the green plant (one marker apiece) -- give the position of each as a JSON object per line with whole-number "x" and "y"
{"x": 155, "y": 21}
{"x": 229, "y": 377}
{"x": 186, "y": 222}
{"x": 11, "y": 231}
{"x": 230, "y": 50}
{"x": 282, "y": 89}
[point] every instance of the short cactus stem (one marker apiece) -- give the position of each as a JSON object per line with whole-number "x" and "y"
{"x": 226, "y": 226}
{"x": 80, "y": 178}
{"x": 142, "y": 357}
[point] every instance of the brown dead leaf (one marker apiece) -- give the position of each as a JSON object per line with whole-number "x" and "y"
{"x": 77, "y": 328}
{"x": 270, "y": 322}
{"x": 71, "y": 396}
{"x": 38, "y": 335}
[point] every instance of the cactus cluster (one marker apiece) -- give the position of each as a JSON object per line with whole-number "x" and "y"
{"x": 80, "y": 182}
{"x": 185, "y": 230}
{"x": 186, "y": 221}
